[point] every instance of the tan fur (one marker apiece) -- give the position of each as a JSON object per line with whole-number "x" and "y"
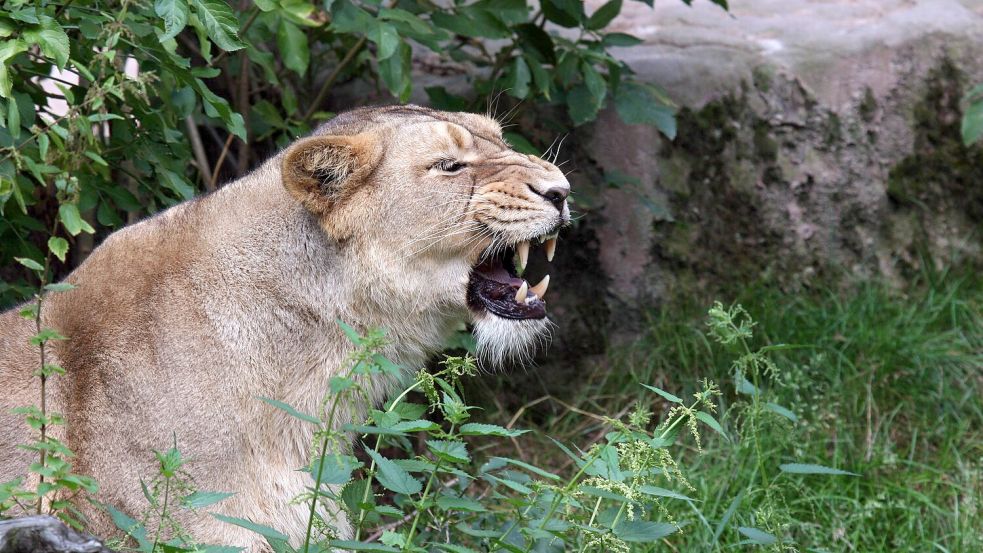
{"x": 180, "y": 322}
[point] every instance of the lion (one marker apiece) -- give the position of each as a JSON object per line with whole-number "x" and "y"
{"x": 401, "y": 218}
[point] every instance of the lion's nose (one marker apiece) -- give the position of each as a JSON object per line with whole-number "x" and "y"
{"x": 555, "y": 195}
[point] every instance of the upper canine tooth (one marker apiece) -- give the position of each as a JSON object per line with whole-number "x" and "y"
{"x": 520, "y": 296}
{"x": 550, "y": 249}
{"x": 523, "y": 250}
{"x": 540, "y": 289}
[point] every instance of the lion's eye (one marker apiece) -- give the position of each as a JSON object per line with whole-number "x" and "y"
{"x": 448, "y": 166}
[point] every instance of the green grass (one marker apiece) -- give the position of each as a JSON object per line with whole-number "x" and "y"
{"x": 885, "y": 384}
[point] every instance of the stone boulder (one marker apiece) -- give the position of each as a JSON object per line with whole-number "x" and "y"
{"x": 817, "y": 140}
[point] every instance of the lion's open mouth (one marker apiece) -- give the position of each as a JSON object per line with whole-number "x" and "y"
{"x": 496, "y": 284}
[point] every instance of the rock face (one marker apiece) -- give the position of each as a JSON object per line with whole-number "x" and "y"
{"x": 817, "y": 139}
{"x": 45, "y": 534}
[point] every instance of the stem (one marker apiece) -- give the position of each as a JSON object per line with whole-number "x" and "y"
{"x": 317, "y": 490}
{"x": 371, "y": 471}
{"x": 43, "y": 277}
{"x": 756, "y": 402}
{"x": 204, "y": 169}
{"x": 323, "y": 92}
{"x": 423, "y": 498}
{"x": 163, "y": 513}
{"x": 218, "y": 164}
{"x": 44, "y": 392}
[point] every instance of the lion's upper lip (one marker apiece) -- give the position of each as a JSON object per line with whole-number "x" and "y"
{"x": 496, "y": 284}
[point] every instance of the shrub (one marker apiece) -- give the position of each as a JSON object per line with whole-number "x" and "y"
{"x": 114, "y": 109}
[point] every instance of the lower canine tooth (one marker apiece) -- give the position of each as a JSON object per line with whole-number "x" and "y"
{"x": 550, "y": 249}
{"x": 520, "y": 296}
{"x": 540, "y": 289}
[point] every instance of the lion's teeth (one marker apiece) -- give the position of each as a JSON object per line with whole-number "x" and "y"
{"x": 523, "y": 250}
{"x": 520, "y": 296}
{"x": 540, "y": 289}
{"x": 550, "y": 249}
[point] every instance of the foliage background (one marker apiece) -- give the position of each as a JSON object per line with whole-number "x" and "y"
{"x": 113, "y": 110}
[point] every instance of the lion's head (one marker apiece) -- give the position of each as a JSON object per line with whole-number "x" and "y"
{"x": 455, "y": 207}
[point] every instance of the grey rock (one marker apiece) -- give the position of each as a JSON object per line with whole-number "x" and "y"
{"x": 805, "y": 133}
{"x": 45, "y": 534}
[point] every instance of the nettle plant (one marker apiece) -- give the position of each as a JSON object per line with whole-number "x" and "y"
{"x": 114, "y": 109}
{"x": 415, "y": 482}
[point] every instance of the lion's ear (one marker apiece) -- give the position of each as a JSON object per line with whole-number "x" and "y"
{"x": 322, "y": 171}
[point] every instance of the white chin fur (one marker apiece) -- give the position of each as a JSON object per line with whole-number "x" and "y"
{"x": 507, "y": 340}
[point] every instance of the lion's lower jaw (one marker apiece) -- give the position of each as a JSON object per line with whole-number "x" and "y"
{"x": 502, "y": 340}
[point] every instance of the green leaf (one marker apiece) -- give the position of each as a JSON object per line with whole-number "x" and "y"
{"x": 349, "y": 18}
{"x": 595, "y": 82}
{"x": 805, "y": 468}
{"x": 477, "y": 429}
{"x": 260, "y": 529}
{"x": 218, "y": 107}
{"x": 386, "y": 39}
{"x": 130, "y": 527}
{"x": 29, "y": 263}
{"x": 59, "y": 247}
{"x": 414, "y": 426}
{"x": 351, "y": 545}
{"x": 518, "y": 79}
{"x": 534, "y": 39}
{"x": 527, "y": 466}
{"x": 449, "y": 503}
{"x": 775, "y": 408}
{"x": 448, "y": 450}
{"x": 972, "y": 124}
{"x": 335, "y": 468}
{"x": 637, "y": 104}
{"x": 394, "y": 477}
{"x": 662, "y": 492}
{"x": 620, "y": 39}
{"x": 566, "y": 13}
{"x": 290, "y": 410}
{"x": 643, "y": 531}
{"x": 72, "y": 220}
{"x": 220, "y": 23}
{"x": 475, "y": 23}
{"x": 53, "y": 42}
{"x": 395, "y": 72}
{"x": 581, "y": 105}
{"x": 728, "y": 514}
{"x": 663, "y": 393}
{"x": 756, "y": 536}
{"x": 176, "y": 183}
{"x": 59, "y": 287}
{"x": 175, "y": 16}
{"x": 443, "y": 100}
{"x": 8, "y": 49}
{"x": 711, "y": 422}
{"x": 200, "y": 500}
{"x": 13, "y": 117}
{"x": 451, "y": 548}
{"x": 520, "y": 143}
{"x": 292, "y": 43}
{"x": 415, "y": 23}
{"x": 600, "y": 18}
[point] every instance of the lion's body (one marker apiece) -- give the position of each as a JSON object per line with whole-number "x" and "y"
{"x": 180, "y": 322}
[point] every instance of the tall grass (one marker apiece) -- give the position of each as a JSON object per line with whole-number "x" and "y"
{"x": 886, "y": 384}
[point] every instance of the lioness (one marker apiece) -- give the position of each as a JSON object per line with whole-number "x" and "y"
{"x": 400, "y": 217}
